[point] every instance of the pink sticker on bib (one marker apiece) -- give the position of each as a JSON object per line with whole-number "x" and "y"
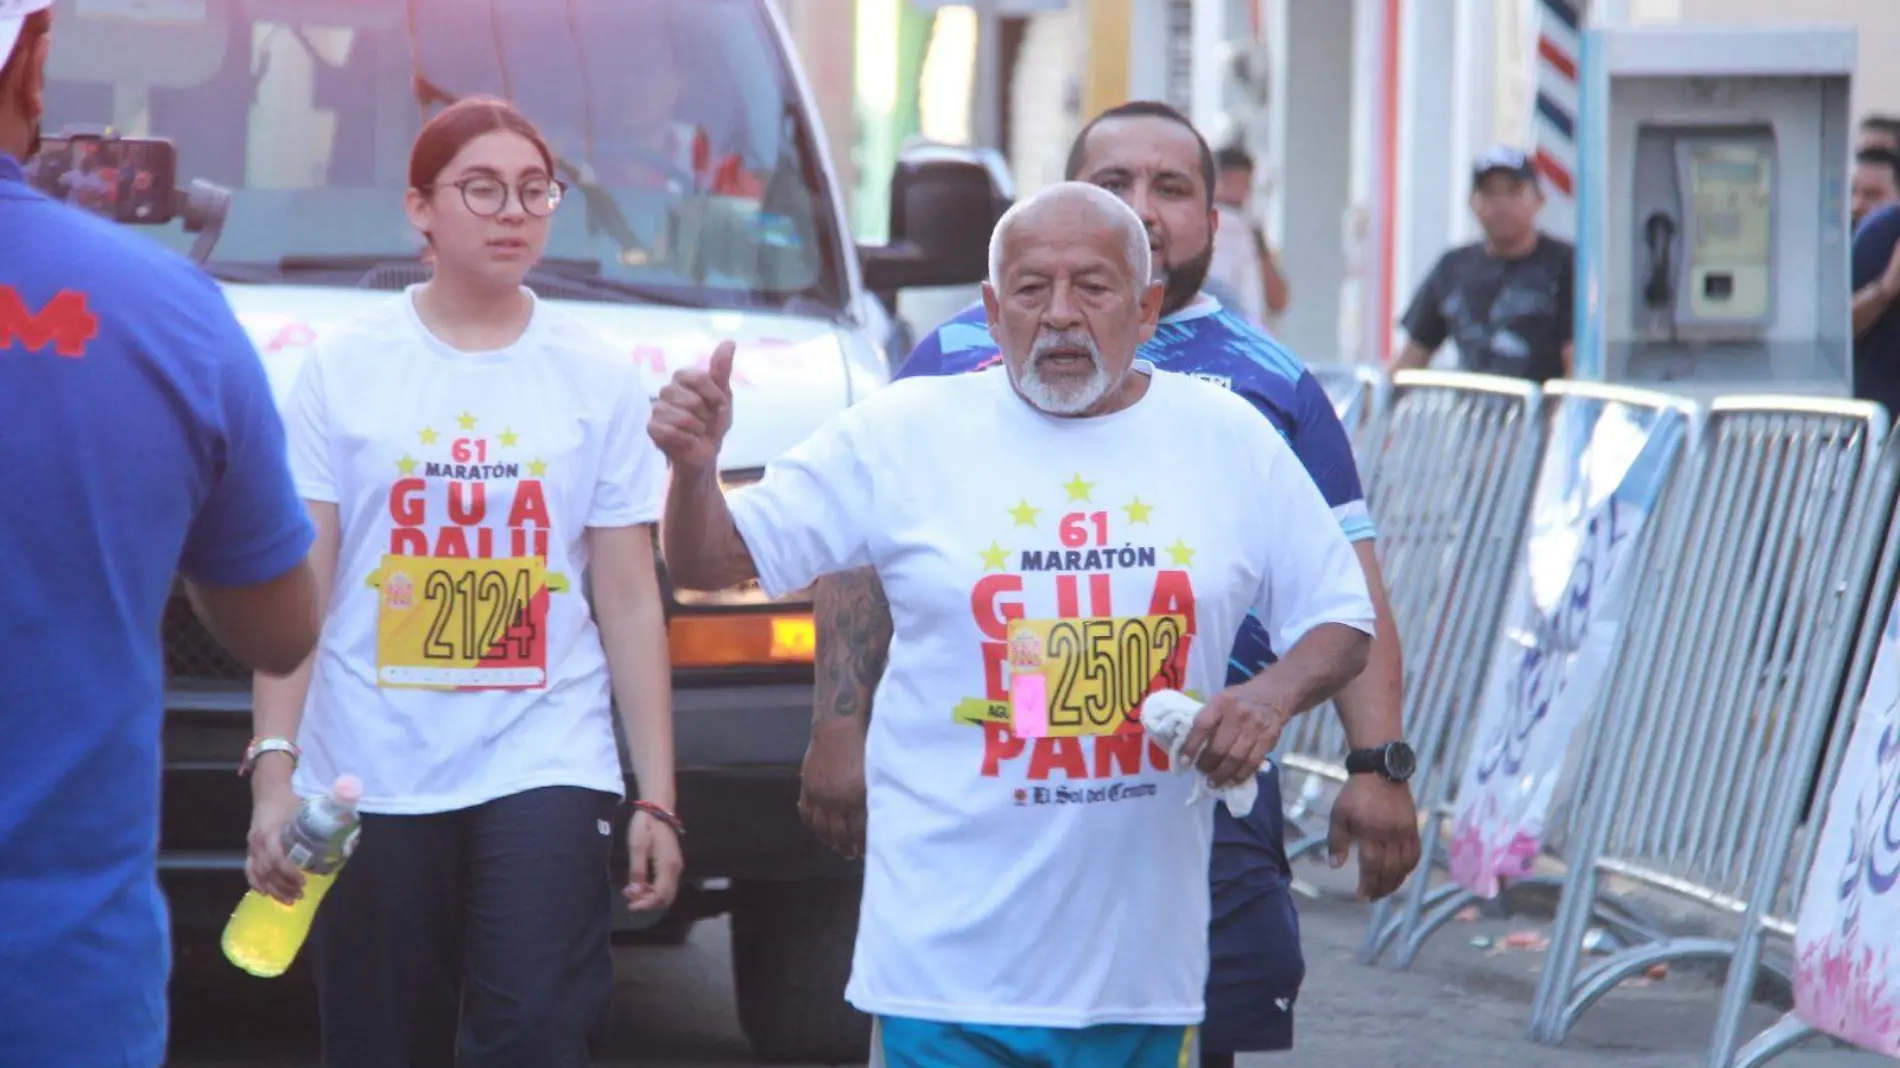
{"x": 1029, "y": 705}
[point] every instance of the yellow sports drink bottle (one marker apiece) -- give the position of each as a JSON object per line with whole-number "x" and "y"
{"x": 265, "y": 934}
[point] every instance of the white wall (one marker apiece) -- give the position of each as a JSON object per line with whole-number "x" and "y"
{"x": 1045, "y": 99}
{"x": 1428, "y": 59}
{"x": 1473, "y": 108}
{"x": 1310, "y": 159}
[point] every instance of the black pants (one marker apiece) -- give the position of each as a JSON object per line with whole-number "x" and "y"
{"x": 476, "y": 939}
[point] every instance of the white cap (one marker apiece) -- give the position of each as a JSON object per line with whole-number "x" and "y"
{"x": 13, "y": 15}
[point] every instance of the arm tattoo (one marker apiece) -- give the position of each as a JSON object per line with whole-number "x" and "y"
{"x": 853, "y": 621}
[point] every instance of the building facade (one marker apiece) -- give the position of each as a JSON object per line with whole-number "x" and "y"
{"x": 1363, "y": 113}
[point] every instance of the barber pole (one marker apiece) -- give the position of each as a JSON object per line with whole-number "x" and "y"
{"x": 1555, "y": 110}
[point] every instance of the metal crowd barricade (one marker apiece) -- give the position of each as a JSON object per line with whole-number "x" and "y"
{"x": 1361, "y": 397}
{"x": 1777, "y": 917}
{"x": 1448, "y": 473}
{"x": 1721, "y": 683}
{"x": 1425, "y": 909}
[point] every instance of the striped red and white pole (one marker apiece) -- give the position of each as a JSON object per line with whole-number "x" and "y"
{"x": 1555, "y": 110}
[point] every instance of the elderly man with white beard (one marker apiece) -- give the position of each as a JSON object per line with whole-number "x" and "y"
{"x": 1059, "y": 537}
{"x": 1151, "y": 157}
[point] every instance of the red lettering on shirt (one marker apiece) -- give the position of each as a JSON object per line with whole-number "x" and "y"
{"x": 1058, "y": 754}
{"x": 1102, "y": 756}
{"x": 408, "y": 541}
{"x": 994, "y": 655}
{"x": 66, "y": 323}
{"x": 468, "y": 502}
{"x": 451, "y": 542}
{"x": 407, "y": 506}
{"x": 1174, "y": 596}
{"x": 993, "y": 615}
{"x": 999, "y": 745}
{"x": 530, "y": 506}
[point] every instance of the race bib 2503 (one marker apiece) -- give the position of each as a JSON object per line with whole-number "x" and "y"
{"x": 1077, "y": 677}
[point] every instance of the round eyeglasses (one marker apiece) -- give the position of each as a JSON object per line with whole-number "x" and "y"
{"x": 489, "y": 196}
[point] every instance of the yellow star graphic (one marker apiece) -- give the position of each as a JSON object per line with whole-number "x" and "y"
{"x": 995, "y": 558}
{"x": 537, "y": 468}
{"x": 1137, "y": 511}
{"x": 467, "y": 421}
{"x": 1078, "y": 489}
{"x": 1181, "y": 553}
{"x": 508, "y": 438}
{"x": 429, "y": 435}
{"x": 406, "y": 465}
{"x": 1024, "y": 515}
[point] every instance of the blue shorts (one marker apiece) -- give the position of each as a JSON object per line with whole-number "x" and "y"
{"x": 1255, "y": 967}
{"x": 908, "y": 1043}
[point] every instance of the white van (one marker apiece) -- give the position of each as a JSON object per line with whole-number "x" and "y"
{"x": 701, "y": 207}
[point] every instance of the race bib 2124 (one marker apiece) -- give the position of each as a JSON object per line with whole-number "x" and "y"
{"x": 452, "y": 623}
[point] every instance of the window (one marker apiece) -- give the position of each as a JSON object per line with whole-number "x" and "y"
{"x": 679, "y": 132}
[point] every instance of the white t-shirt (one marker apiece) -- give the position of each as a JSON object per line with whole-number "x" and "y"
{"x": 459, "y": 661}
{"x": 1056, "y": 881}
{"x": 1236, "y": 263}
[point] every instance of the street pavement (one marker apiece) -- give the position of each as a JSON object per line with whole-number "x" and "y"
{"x": 1463, "y": 1004}
{"x": 1466, "y": 1002}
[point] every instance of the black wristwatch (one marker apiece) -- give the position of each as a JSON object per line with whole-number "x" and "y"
{"x": 1393, "y": 761}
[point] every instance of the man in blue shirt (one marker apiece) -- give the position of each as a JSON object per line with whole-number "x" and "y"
{"x": 140, "y": 441}
{"x": 1151, "y": 156}
{"x": 1876, "y": 263}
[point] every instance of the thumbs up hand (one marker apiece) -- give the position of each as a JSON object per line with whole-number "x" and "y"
{"x": 694, "y": 411}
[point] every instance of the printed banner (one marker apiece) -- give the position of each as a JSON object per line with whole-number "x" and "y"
{"x": 1601, "y": 475}
{"x": 1847, "y": 972}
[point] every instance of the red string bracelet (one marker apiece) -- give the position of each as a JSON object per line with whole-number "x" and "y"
{"x": 661, "y": 814}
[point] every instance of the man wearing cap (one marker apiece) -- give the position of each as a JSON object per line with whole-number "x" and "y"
{"x": 140, "y": 441}
{"x": 1506, "y": 300}
{"x": 1873, "y": 184}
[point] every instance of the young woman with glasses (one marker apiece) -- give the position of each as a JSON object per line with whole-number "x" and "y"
{"x": 484, "y": 491}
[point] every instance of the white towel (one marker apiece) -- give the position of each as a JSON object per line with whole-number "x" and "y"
{"x": 1168, "y": 716}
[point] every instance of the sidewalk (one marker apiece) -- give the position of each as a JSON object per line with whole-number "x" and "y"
{"x": 1466, "y": 1005}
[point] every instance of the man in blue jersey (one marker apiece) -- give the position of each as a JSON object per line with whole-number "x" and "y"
{"x": 1151, "y": 156}
{"x": 140, "y": 441}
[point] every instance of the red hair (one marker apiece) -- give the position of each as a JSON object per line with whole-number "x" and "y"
{"x": 451, "y": 129}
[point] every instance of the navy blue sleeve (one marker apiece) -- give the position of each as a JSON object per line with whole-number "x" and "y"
{"x": 1320, "y": 443}
{"x": 252, "y": 526}
{"x": 1324, "y": 448}
{"x": 925, "y": 359}
{"x": 1310, "y": 425}
{"x": 960, "y": 345}
{"x": 1873, "y": 246}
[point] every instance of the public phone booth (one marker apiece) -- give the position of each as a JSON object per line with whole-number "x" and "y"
{"x": 1713, "y": 233}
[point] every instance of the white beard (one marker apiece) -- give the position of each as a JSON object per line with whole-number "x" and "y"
{"x": 1068, "y": 398}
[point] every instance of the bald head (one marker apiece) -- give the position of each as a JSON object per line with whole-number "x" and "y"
{"x": 1070, "y": 300}
{"x": 1073, "y": 208}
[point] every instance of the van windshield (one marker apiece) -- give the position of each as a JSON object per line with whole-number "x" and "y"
{"x": 677, "y": 124}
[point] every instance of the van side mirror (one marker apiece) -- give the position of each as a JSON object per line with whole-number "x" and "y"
{"x": 945, "y": 201}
